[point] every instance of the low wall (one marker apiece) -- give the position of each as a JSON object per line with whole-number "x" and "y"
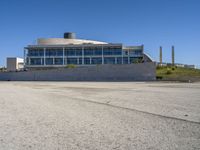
{"x": 129, "y": 72}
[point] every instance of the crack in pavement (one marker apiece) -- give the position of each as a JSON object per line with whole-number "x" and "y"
{"x": 131, "y": 109}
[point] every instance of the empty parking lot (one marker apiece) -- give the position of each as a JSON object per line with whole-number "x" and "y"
{"x": 99, "y": 115}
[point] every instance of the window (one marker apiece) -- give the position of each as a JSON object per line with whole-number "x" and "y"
{"x": 109, "y": 60}
{"x": 79, "y": 52}
{"x": 125, "y": 60}
{"x": 86, "y": 60}
{"x": 80, "y": 61}
{"x": 91, "y": 51}
{"x": 98, "y": 52}
{"x": 125, "y": 52}
{"x": 73, "y": 52}
{"x": 54, "y": 52}
{"x": 36, "y": 61}
{"x": 49, "y": 61}
{"x": 37, "y": 52}
{"x": 136, "y": 52}
{"x": 112, "y": 52}
{"x": 72, "y": 61}
{"x": 97, "y": 60}
{"x": 119, "y": 60}
{"x": 58, "y": 61}
{"x": 70, "y": 53}
{"x": 88, "y": 52}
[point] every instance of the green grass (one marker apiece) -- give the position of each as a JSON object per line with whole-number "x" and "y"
{"x": 178, "y": 74}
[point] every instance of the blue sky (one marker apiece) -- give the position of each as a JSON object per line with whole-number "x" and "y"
{"x": 153, "y": 23}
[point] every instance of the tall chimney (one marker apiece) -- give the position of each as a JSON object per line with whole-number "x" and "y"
{"x": 173, "y": 57}
{"x": 160, "y": 54}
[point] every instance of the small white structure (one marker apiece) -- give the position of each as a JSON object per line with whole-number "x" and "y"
{"x": 15, "y": 64}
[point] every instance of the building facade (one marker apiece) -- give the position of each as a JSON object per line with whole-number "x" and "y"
{"x": 60, "y": 52}
{"x": 15, "y": 64}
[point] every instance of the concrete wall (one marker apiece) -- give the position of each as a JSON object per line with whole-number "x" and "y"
{"x": 130, "y": 72}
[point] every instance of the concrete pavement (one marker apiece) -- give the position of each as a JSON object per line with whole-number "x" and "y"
{"x": 99, "y": 115}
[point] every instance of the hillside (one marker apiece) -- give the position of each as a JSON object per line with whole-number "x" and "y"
{"x": 177, "y": 74}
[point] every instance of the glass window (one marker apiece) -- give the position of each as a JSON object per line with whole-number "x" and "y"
{"x": 119, "y": 60}
{"x": 36, "y": 61}
{"x": 54, "y": 52}
{"x": 59, "y": 52}
{"x": 136, "y": 52}
{"x": 80, "y": 61}
{"x": 112, "y": 52}
{"x": 98, "y": 52}
{"x": 49, "y": 61}
{"x": 36, "y": 52}
{"x": 72, "y": 61}
{"x": 125, "y": 52}
{"x": 109, "y": 60}
{"x": 58, "y": 61}
{"x": 73, "y": 52}
{"x": 97, "y": 60}
{"x": 27, "y": 61}
{"x": 70, "y": 53}
{"x": 88, "y": 52}
{"x": 132, "y": 60}
{"x": 86, "y": 60}
{"x": 125, "y": 60}
{"x": 79, "y": 52}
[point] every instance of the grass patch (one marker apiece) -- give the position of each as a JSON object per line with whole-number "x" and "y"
{"x": 71, "y": 66}
{"x": 177, "y": 74}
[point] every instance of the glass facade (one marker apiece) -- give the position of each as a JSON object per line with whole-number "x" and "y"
{"x": 54, "y": 52}
{"x": 83, "y": 55}
{"x": 49, "y": 61}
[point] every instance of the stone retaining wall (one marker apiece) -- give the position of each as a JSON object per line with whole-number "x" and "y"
{"x": 129, "y": 72}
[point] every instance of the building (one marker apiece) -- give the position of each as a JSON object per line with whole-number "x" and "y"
{"x": 15, "y": 64}
{"x": 71, "y": 59}
{"x": 60, "y": 52}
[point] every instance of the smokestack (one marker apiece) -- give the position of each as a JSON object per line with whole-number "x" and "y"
{"x": 160, "y": 54}
{"x": 173, "y": 60}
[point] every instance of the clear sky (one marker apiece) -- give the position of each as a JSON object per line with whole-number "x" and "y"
{"x": 153, "y": 23}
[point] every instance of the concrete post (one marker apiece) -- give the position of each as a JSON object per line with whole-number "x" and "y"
{"x": 173, "y": 56}
{"x": 160, "y": 54}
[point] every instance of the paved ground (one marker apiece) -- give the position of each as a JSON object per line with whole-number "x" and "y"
{"x": 103, "y": 116}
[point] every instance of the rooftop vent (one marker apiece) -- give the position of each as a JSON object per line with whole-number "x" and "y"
{"x": 69, "y": 35}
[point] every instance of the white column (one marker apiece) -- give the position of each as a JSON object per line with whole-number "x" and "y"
{"x": 78, "y": 61}
{"x": 102, "y": 56}
{"x": 63, "y": 56}
{"x": 44, "y": 56}
{"x": 29, "y": 61}
{"x": 122, "y": 56}
{"x": 128, "y": 56}
{"x": 53, "y": 60}
{"x": 82, "y": 55}
{"x": 90, "y": 60}
{"x": 41, "y": 61}
{"x": 24, "y": 56}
